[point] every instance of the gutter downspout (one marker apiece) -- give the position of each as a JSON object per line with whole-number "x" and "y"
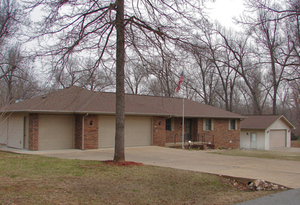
{"x": 82, "y": 143}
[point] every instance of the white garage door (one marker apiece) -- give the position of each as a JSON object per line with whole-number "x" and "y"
{"x": 277, "y": 138}
{"x": 138, "y": 131}
{"x": 106, "y": 134}
{"x": 15, "y": 131}
{"x": 56, "y": 132}
{"x": 3, "y": 130}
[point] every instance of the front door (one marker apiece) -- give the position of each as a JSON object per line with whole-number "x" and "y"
{"x": 188, "y": 129}
{"x": 253, "y": 140}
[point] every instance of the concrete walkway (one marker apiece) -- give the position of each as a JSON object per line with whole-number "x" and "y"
{"x": 282, "y": 172}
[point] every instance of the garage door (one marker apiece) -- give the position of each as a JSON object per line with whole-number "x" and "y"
{"x": 106, "y": 136}
{"x": 15, "y": 131}
{"x": 3, "y": 130}
{"x": 138, "y": 131}
{"x": 56, "y": 132}
{"x": 277, "y": 138}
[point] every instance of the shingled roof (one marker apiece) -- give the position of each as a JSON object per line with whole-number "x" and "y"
{"x": 79, "y": 100}
{"x": 262, "y": 122}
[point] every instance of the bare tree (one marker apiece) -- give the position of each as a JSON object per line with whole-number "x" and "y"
{"x": 135, "y": 78}
{"x": 9, "y": 17}
{"x": 79, "y": 72}
{"x": 221, "y": 59}
{"x": 295, "y": 99}
{"x": 272, "y": 51}
{"x": 242, "y": 63}
{"x": 9, "y": 25}
{"x": 103, "y": 27}
{"x": 163, "y": 81}
{"x": 18, "y": 82}
{"x": 201, "y": 76}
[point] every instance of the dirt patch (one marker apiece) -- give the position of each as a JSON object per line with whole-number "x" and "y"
{"x": 238, "y": 183}
{"x": 244, "y": 184}
{"x": 122, "y": 164}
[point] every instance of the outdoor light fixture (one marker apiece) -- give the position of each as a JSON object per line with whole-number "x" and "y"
{"x": 91, "y": 122}
{"x": 247, "y": 133}
{"x": 159, "y": 123}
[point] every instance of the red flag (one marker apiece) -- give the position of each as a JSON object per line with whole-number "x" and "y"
{"x": 179, "y": 82}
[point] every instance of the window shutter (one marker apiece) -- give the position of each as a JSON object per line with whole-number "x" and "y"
{"x": 172, "y": 124}
{"x": 229, "y": 124}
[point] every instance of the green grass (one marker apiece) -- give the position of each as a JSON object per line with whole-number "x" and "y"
{"x": 30, "y": 179}
{"x": 260, "y": 154}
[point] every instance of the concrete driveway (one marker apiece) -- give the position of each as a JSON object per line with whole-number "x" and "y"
{"x": 282, "y": 172}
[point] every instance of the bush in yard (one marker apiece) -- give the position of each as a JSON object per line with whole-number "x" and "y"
{"x": 294, "y": 137}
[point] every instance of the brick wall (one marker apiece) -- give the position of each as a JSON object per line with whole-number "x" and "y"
{"x": 78, "y": 131}
{"x": 33, "y": 141}
{"x": 159, "y": 131}
{"x": 175, "y": 135}
{"x": 91, "y": 132}
{"x": 222, "y": 136}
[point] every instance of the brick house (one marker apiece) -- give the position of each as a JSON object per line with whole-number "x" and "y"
{"x": 81, "y": 119}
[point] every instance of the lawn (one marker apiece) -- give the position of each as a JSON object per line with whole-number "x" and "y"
{"x": 30, "y": 179}
{"x": 260, "y": 154}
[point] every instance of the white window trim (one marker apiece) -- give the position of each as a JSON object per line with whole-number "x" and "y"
{"x": 204, "y": 124}
{"x": 229, "y": 124}
{"x": 172, "y": 121}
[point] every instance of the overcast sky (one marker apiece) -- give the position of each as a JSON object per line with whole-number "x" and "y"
{"x": 225, "y": 10}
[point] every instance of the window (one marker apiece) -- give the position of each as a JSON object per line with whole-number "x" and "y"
{"x": 168, "y": 124}
{"x": 232, "y": 124}
{"x": 208, "y": 124}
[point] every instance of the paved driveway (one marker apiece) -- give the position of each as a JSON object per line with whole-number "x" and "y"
{"x": 282, "y": 172}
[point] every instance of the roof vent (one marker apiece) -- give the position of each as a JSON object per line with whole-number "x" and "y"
{"x": 43, "y": 97}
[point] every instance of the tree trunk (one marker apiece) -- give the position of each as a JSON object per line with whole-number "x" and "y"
{"x": 275, "y": 99}
{"x": 120, "y": 93}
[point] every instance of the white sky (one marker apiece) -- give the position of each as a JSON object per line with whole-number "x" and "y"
{"x": 224, "y": 10}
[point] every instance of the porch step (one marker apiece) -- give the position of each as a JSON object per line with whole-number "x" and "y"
{"x": 192, "y": 146}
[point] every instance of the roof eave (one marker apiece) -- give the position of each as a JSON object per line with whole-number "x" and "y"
{"x": 252, "y": 128}
{"x": 126, "y": 113}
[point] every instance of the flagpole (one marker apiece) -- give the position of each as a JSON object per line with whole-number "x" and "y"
{"x": 177, "y": 89}
{"x": 183, "y": 122}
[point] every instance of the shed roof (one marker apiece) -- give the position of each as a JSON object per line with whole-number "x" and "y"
{"x": 262, "y": 122}
{"x": 79, "y": 100}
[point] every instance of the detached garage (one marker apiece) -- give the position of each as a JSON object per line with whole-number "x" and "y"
{"x": 265, "y": 132}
